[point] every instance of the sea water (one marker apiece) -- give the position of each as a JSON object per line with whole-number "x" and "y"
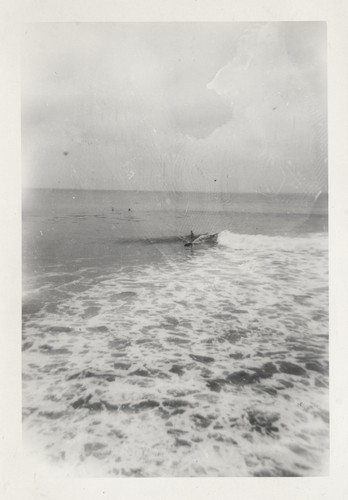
{"x": 143, "y": 357}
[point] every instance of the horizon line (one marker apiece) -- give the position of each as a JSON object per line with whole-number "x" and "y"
{"x": 315, "y": 193}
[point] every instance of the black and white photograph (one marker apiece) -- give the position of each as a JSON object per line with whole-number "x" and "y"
{"x": 175, "y": 285}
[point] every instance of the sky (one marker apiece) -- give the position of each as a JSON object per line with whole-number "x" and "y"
{"x": 211, "y": 107}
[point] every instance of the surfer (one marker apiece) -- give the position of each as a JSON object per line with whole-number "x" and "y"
{"x": 205, "y": 238}
{"x": 192, "y": 238}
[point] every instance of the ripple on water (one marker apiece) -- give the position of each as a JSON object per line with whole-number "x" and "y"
{"x": 173, "y": 370}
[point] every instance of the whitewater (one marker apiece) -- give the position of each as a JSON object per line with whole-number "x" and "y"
{"x": 210, "y": 361}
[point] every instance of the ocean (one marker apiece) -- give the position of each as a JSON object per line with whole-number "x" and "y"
{"x": 143, "y": 357}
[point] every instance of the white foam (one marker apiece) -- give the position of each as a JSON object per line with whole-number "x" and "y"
{"x": 232, "y": 240}
{"x": 253, "y": 295}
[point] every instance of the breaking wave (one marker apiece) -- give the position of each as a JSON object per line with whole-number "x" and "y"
{"x": 214, "y": 363}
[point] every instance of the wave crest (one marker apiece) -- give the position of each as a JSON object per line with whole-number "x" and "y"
{"x": 262, "y": 242}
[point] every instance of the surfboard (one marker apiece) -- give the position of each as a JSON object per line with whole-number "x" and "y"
{"x": 202, "y": 238}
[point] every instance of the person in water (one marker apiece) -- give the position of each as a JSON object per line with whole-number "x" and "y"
{"x": 190, "y": 242}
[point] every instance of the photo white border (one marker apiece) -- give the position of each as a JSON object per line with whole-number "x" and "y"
{"x": 23, "y": 479}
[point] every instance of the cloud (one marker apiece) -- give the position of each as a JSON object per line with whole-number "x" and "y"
{"x": 222, "y": 107}
{"x": 278, "y": 121}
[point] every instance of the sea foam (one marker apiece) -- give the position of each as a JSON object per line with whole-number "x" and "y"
{"x": 212, "y": 363}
